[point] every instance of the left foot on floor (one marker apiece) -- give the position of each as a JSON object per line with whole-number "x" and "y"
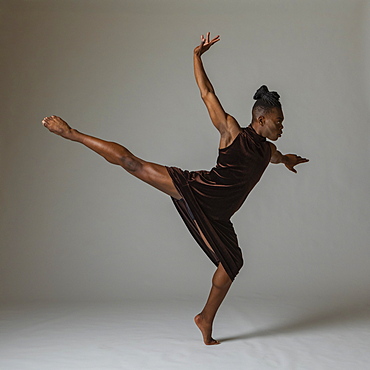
{"x": 206, "y": 330}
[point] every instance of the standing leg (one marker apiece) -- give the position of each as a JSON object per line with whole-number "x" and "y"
{"x": 151, "y": 173}
{"x": 221, "y": 283}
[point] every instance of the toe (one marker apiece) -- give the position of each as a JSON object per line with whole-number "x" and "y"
{"x": 213, "y": 342}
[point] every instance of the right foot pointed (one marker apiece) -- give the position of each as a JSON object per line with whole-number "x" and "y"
{"x": 57, "y": 126}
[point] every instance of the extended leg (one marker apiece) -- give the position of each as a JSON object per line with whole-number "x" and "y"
{"x": 153, "y": 174}
{"x": 221, "y": 283}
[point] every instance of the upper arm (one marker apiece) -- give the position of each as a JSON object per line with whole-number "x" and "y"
{"x": 273, "y": 151}
{"x": 275, "y": 154}
{"x": 223, "y": 122}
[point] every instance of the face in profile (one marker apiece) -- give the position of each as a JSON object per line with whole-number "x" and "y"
{"x": 273, "y": 124}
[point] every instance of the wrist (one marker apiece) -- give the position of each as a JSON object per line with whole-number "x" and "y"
{"x": 284, "y": 159}
{"x": 198, "y": 52}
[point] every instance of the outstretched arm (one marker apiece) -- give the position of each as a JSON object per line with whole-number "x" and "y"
{"x": 225, "y": 124}
{"x": 290, "y": 160}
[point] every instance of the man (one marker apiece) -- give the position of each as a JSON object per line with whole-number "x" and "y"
{"x": 206, "y": 200}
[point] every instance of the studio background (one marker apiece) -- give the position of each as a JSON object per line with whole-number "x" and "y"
{"x": 74, "y": 228}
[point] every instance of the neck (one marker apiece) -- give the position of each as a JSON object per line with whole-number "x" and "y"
{"x": 256, "y": 127}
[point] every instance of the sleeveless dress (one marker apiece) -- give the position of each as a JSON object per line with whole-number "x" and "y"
{"x": 210, "y": 198}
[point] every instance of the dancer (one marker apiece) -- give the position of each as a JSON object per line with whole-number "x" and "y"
{"x": 206, "y": 200}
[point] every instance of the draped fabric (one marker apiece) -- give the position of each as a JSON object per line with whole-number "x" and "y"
{"x": 210, "y": 198}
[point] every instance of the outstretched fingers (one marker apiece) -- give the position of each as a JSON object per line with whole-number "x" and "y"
{"x": 301, "y": 160}
{"x": 205, "y": 43}
{"x": 207, "y": 39}
{"x": 294, "y": 160}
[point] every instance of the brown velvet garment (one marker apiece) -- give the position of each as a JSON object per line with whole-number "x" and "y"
{"x": 211, "y": 197}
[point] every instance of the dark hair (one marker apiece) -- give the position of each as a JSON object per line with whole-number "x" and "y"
{"x": 265, "y": 101}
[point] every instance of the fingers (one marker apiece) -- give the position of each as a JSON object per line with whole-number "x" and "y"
{"x": 206, "y": 39}
{"x": 299, "y": 161}
{"x": 302, "y": 160}
{"x": 298, "y": 156}
{"x": 217, "y": 38}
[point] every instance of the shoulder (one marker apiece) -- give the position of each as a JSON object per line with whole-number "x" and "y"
{"x": 272, "y": 147}
{"x": 231, "y": 130}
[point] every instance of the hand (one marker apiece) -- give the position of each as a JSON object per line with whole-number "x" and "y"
{"x": 205, "y": 44}
{"x": 291, "y": 160}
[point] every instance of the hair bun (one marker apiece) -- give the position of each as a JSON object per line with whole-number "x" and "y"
{"x": 261, "y": 92}
{"x": 270, "y": 97}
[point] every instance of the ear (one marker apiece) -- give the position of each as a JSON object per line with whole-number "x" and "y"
{"x": 261, "y": 120}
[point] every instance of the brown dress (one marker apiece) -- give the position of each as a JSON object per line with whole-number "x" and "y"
{"x": 210, "y": 198}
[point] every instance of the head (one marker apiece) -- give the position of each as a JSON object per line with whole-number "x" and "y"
{"x": 267, "y": 114}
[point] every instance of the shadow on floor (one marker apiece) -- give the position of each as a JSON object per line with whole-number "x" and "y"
{"x": 337, "y": 317}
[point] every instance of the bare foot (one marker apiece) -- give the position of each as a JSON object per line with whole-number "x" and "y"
{"x": 206, "y": 330}
{"x": 57, "y": 126}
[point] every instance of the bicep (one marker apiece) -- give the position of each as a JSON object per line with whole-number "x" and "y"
{"x": 274, "y": 153}
{"x": 276, "y": 156}
{"x": 216, "y": 112}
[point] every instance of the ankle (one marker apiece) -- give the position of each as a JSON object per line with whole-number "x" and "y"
{"x": 206, "y": 318}
{"x": 72, "y": 134}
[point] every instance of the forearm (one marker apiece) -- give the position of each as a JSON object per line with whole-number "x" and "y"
{"x": 289, "y": 160}
{"x": 201, "y": 77}
{"x": 278, "y": 157}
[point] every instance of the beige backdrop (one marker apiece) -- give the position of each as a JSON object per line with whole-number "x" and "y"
{"x": 75, "y": 228}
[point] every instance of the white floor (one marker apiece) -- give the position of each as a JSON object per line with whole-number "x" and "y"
{"x": 256, "y": 333}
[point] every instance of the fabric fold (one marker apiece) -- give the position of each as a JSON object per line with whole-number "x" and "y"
{"x": 210, "y": 198}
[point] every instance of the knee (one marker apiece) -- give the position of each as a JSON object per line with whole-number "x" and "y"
{"x": 221, "y": 280}
{"x": 129, "y": 163}
{"x": 222, "y": 284}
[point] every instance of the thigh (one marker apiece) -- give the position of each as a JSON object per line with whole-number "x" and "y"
{"x": 155, "y": 175}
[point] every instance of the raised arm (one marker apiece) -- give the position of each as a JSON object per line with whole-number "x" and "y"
{"x": 290, "y": 160}
{"x": 225, "y": 124}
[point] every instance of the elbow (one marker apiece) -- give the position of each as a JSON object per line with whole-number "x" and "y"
{"x": 275, "y": 159}
{"x": 205, "y": 94}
